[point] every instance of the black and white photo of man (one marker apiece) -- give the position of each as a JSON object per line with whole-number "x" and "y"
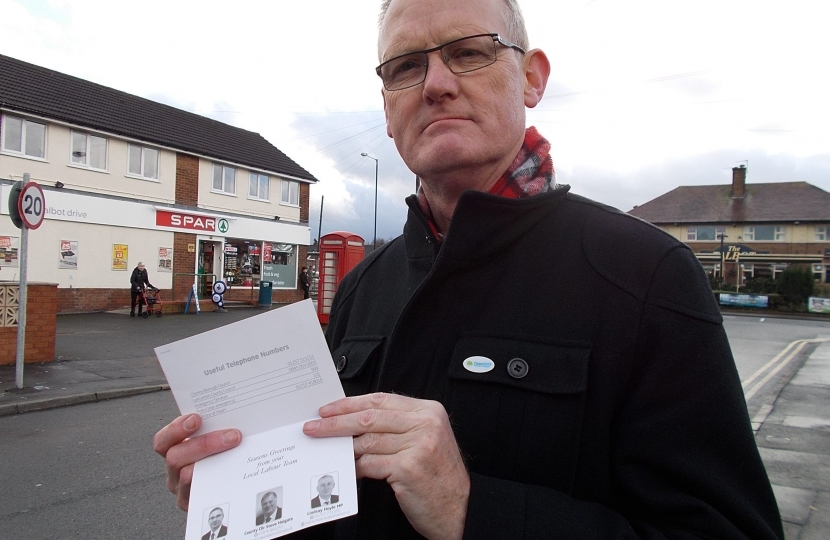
{"x": 269, "y": 509}
{"x": 216, "y": 517}
{"x": 325, "y": 497}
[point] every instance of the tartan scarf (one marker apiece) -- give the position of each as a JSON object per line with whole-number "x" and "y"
{"x": 531, "y": 173}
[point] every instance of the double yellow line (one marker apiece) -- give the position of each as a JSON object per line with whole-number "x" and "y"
{"x": 781, "y": 359}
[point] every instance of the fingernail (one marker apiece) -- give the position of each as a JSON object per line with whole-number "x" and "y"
{"x": 230, "y": 437}
{"x": 312, "y": 425}
{"x": 190, "y": 423}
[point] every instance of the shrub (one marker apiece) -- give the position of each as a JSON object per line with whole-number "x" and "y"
{"x": 796, "y": 284}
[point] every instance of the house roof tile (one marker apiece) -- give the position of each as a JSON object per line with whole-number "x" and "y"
{"x": 776, "y": 202}
{"x": 28, "y": 88}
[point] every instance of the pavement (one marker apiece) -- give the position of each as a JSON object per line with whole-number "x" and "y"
{"x": 101, "y": 356}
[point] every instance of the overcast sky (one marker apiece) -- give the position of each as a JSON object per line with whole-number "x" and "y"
{"x": 644, "y": 95}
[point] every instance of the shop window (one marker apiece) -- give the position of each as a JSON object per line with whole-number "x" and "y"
{"x": 23, "y": 137}
{"x": 279, "y": 265}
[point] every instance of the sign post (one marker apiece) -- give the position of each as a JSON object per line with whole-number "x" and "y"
{"x": 27, "y": 207}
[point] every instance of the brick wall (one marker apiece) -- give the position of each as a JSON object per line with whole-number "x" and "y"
{"x": 184, "y": 262}
{"x": 305, "y": 192}
{"x": 41, "y": 311}
{"x": 187, "y": 180}
{"x": 86, "y": 300}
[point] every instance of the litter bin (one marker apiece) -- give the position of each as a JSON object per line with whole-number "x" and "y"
{"x": 265, "y": 294}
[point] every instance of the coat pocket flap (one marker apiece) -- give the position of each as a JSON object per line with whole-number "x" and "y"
{"x": 353, "y": 354}
{"x": 540, "y": 367}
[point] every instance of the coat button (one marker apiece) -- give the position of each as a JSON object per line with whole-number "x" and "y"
{"x": 340, "y": 365}
{"x": 517, "y": 368}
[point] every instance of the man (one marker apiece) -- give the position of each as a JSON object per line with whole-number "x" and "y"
{"x": 612, "y": 407}
{"x": 270, "y": 510}
{"x": 138, "y": 280}
{"x": 217, "y": 530}
{"x": 304, "y": 283}
{"x": 325, "y": 485}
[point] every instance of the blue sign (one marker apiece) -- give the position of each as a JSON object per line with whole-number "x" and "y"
{"x": 744, "y": 300}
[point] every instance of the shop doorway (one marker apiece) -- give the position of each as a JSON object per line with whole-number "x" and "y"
{"x": 209, "y": 265}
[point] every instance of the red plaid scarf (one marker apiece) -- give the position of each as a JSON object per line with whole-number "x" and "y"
{"x": 531, "y": 173}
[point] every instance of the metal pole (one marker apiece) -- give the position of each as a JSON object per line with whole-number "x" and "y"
{"x": 320, "y": 228}
{"x": 21, "y": 301}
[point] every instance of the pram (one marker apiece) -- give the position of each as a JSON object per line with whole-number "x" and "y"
{"x": 151, "y": 300}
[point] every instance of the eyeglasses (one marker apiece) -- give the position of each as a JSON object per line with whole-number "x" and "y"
{"x": 461, "y": 56}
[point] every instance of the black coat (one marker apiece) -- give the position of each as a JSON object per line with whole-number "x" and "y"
{"x": 630, "y": 421}
{"x": 139, "y": 279}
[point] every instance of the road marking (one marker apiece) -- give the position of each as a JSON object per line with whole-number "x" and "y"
{"x": 782, "y": 359}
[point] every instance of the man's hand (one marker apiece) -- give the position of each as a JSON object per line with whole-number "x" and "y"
{"x": 410, "y": 444}
{"x": 180, "y": 453}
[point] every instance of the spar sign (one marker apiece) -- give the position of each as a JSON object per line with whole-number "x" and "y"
{"x": 192, "y": 222}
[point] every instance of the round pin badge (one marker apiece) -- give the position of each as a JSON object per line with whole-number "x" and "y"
{"x": 479, "y": 364}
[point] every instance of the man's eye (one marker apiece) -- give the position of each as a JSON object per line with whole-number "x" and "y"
{"x": 405, "y": 66}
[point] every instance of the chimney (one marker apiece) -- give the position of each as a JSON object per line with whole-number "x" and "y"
{"x": 738, "y": 182}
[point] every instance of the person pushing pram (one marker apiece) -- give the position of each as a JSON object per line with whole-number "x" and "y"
{"x": 138, "y": 280}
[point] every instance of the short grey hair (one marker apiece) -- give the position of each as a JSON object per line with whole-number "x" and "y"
{"x": 515, "y": 22}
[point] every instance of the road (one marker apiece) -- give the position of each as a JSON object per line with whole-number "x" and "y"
{"x": 88, "y": 471}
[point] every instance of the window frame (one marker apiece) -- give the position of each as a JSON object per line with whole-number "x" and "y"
{"x": 223, "y": 190}
{"x": 258, "y": 178}
{"x": 87, "y": 137}
{"x": 22, "y": 152}
{"x": 692, "y": 230}
{"x": 820, "y": 233}
{"x": 141, "y": 175}
{"x": 779, "y": 233}
{"x": 289, "y": 183}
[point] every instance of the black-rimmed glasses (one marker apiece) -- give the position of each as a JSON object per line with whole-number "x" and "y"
{"x": 461, "y": 56}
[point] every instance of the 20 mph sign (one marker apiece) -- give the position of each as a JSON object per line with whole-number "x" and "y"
{"x": 31, "y": 205}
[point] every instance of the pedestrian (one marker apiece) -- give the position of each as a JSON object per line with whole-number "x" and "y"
{"x": 304, "y": 282}
{"x": 598, "y": 400}
{"x": 138, "y": 280}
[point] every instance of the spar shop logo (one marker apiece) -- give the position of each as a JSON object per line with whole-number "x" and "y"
{"x": 479, "y": 364}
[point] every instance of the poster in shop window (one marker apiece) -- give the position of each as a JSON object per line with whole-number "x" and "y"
{"x": 119, "y": 256}
{"x": 165, "y": 259}
{"x": 68, "y": 259}
{"x": 282, "y": 270}
{"x": 9, "y": 246}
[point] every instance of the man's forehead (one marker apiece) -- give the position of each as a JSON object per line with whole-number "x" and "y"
{"x": 413, "y": 25}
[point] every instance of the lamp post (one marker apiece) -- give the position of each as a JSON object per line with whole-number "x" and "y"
{"x": 722, "y": 260}
{"x": 375, "y": 240}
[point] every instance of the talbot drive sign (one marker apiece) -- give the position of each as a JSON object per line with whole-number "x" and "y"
{"x": 179, "y": 220}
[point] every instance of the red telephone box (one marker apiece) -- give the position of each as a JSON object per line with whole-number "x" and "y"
{"x": 340, "y": 251}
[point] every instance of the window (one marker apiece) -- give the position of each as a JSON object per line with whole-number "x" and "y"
{"x": 143, "y": 162}
{"x": 701, "y": 233}
{"x": 224, "y": 179}
{"x": 821, "y": 233}
{"x": 760, "y": 233}
{"x": 88, "y": 151}
{"x": 290, "y": 193}
{"x": 24, "y": 137}
{"x": 258, "y": 186}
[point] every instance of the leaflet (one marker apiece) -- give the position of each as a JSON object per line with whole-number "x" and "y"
{"x": 266, "y": 376}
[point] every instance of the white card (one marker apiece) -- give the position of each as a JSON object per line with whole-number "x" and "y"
{"x": 266, "y": 376}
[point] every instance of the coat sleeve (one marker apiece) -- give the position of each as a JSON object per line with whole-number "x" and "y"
{"x": 684, "y": 464}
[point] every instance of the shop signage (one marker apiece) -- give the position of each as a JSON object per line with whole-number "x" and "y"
{"x": 179, "y": 220}
{"x": 818, "y": 305}
{"x": 744, "y": 300}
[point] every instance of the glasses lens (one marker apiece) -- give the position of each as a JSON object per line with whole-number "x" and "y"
{"x": 404, "y": 72}
{"x": 470, "y": 54}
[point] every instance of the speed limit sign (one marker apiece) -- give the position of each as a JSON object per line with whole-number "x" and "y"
{"x": 31, "y": 205}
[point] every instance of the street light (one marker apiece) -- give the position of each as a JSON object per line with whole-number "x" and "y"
{"x": 721, "y": 236}
{"x": 375, "y": 241}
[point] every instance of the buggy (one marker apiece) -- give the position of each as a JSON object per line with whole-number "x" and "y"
{"x": 151, "y": 299}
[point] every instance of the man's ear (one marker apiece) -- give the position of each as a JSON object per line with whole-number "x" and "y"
{"x": 386, "y": 114}
{"x": 536, "y": 71}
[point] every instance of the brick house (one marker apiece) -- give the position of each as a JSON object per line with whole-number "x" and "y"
{"x": 754, "y": 230}
{"x": 127, "y": 179}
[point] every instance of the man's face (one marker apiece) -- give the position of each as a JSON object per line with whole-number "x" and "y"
{"x": 215, "y": 519}
{"x": 451, "y": 122}
{"x": 325, "y": 485}
{"x": 269, "y": 504}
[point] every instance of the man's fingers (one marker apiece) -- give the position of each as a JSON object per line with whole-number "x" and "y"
{"x": 192, "y": 450}
{"x": 378, "y": 400}
{"x": 183, "y": 493}
{"x": 367, "y": 421}
{"x": 380, "y": 443}
{"x": 175, "y": 432}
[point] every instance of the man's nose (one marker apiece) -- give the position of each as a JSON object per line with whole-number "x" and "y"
{"x": 440, "y": 81}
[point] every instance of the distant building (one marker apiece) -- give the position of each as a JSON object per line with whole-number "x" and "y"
{"x": 127, "y": 179}
{"x": 765, "y": 227}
